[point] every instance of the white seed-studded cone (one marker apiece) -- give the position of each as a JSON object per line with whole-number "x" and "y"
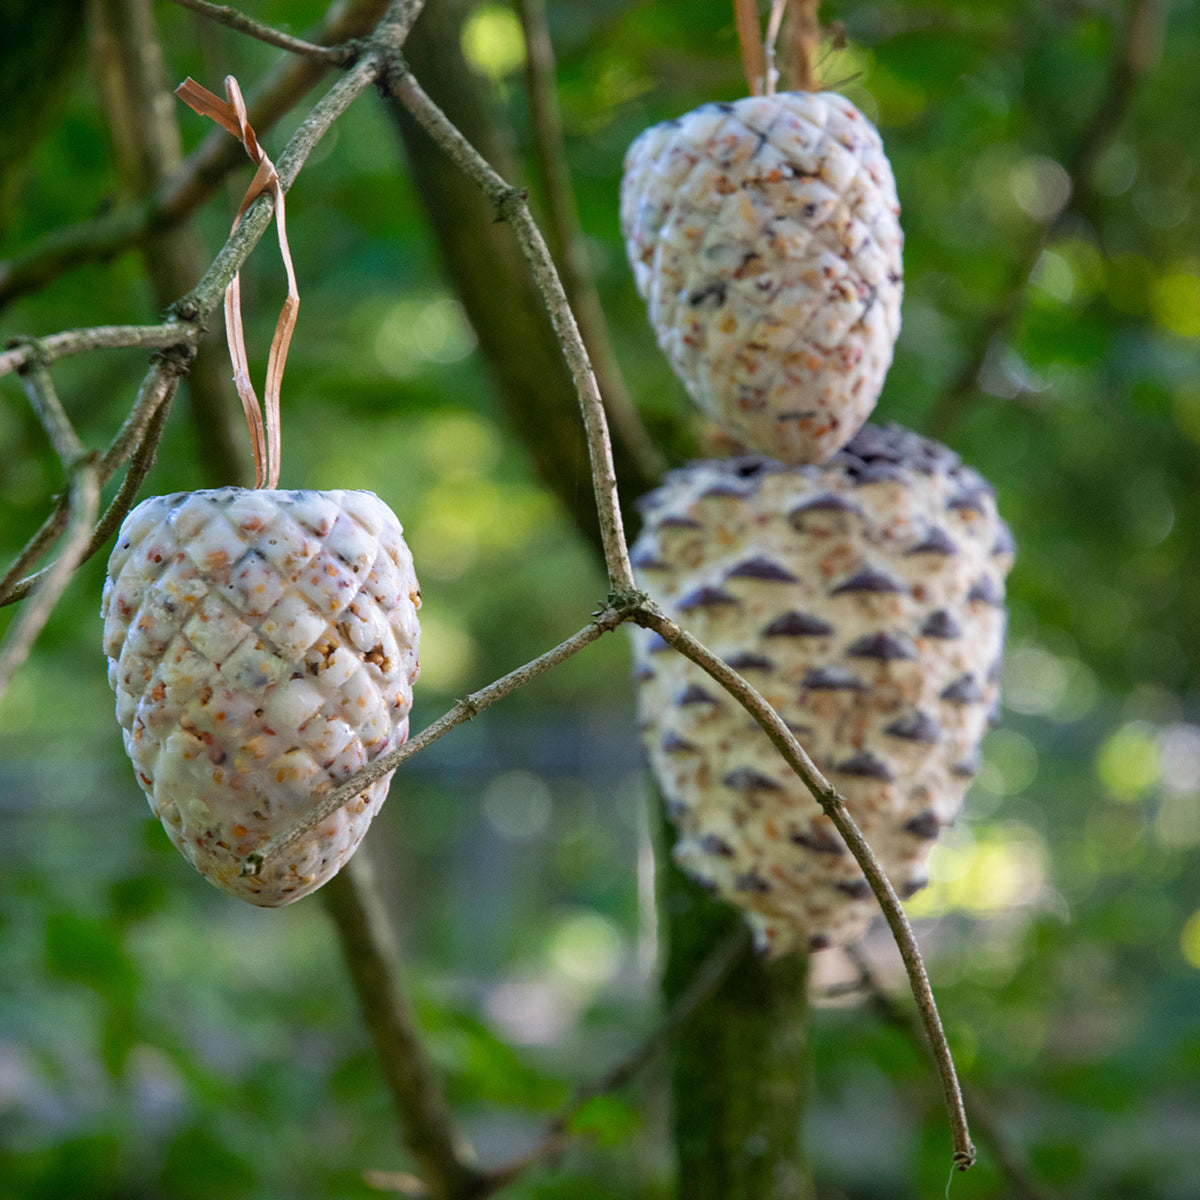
{"x": 864, "y": 599}
{"x": 263, "y": 647}
{"x": 764, "y": 236}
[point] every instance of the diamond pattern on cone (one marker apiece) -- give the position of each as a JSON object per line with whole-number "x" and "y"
{"x": 864, "y": 599}
{"x": 263, "y": 647}
{"x": 764, "y": 237}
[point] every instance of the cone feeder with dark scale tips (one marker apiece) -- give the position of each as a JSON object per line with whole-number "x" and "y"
{"x": 864, "y": 599}
{"x": 262, "y": 643}
{"x": 764, "y": 236}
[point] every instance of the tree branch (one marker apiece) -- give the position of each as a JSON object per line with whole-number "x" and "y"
{"x": 1009, "y": 1157}
{"x": 512, "y": 206}
{"x": 179, "y": 197}
{"x": 98, "y": 337}
{"x": 83, "y": 499}
{"x": 603, "y": 622}
{"x": 352, "y": 899}
{"x": 138, "y": 439}
{"x": 222, "y": 14}
{"x": 566, "y": 240}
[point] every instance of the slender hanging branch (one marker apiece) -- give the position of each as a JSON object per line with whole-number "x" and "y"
{"x": 1026, "y": 1185}
{"x": 827, "y": 796}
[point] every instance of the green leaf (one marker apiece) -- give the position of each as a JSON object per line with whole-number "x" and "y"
{"x": 89, "y": 951}
{"x": 608, "y": 1119}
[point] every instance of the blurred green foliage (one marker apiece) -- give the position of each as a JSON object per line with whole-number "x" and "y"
{"x": 158, "y": 1039}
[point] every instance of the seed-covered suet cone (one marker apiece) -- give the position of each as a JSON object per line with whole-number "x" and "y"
{"x": 864, "y": 599}
{"x": 764, "y": 236}
{"x": 263, "y": 648}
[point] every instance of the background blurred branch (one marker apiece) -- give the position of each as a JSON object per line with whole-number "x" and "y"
{"x": 1135, "y": 55}
{"x": 368, "y": 946}
{"x": 83, "y": 496}
{"x": 178, "y": 197}
{"x": 565, "y": 237}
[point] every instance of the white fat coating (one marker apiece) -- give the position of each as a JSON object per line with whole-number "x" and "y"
{"x": 263, "y": 647}
{"x": 764, "y": 236}
{"x": 890, "y": 691}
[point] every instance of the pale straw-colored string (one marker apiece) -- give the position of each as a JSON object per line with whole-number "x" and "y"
{"x": 230, "y": 114}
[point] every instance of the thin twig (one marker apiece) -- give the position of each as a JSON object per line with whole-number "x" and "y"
{"x": 512, "y": 206}
{"x": 570, "y": 250}
{"x": 754, "y": 66}
{"x": 604, "y": 621}
{"x": 335, "y": 56}
{"x": 834, "y": 806}
{"x": 803, "y": 42}
{"x": 770, "y": 42}
{"x": 1009, "y": 1157}
{"x": 137, "y": 438}
{"x": 82, "y": 471}
{"x": 84, "y": 500}
{"x": 96, "y": 337}
{"x": 709, "y": 976}
{"x": 43, "y": 399}
{"x": 188, "y": 189}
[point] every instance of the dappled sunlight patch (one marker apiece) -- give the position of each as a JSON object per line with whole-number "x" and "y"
{"x": 448, "y": 654}
{"x": 1189, "y": 940}
{"x": 982, "y": 873}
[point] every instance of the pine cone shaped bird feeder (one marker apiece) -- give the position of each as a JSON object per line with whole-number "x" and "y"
{"x": 764, "y": 237}
{"x": 263, "y": 648}
{"x": 262, "y": 643}
{"x": 864, "y": 599}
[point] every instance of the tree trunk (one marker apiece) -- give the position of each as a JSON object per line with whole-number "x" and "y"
{"x": 739, "y": 1066}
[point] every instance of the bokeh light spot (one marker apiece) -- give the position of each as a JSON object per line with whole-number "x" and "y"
{"x": 493, "y": 42}
{"x": 1175, "y": 303}
{"x": 1128, "y": 763}
{"x": 1040, "y": 186}
{"x": 1189, "y": 939}
{"x": 518, "y": 805}
{"x": 586, "y": 948}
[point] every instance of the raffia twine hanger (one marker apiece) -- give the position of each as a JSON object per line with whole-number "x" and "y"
{"x": 230, "y": 114}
